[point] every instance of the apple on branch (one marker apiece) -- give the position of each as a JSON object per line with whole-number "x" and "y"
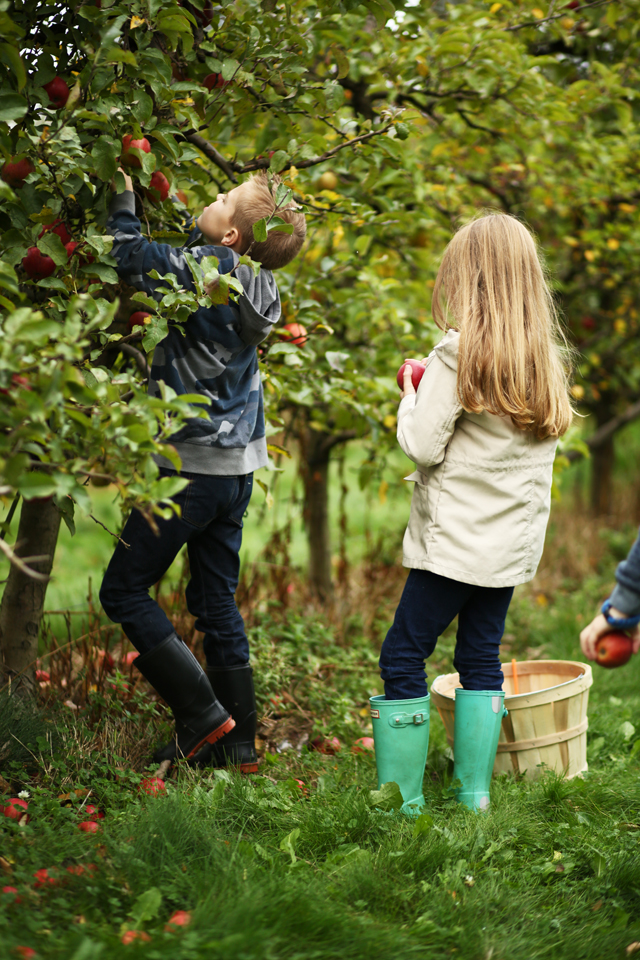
{"x": 130, "y": 159}
{"x": 16, "y": 171}
{"x": 58, "y": 92}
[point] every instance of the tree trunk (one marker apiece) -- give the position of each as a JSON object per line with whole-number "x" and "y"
{"x": 23, "y": 598}
{"x": 315, "y": 475}
{"x": 602, "y": 460}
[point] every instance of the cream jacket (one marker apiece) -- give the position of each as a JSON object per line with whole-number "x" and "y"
{"x": 482, "y": 490}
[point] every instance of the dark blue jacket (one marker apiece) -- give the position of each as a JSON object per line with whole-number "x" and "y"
{"x": 626, "y": 595}
{"x": 216, "y": 356}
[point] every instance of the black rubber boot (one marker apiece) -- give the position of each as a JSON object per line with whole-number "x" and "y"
{"x": 174, "y": 672}
{"x": 234, "y": 688}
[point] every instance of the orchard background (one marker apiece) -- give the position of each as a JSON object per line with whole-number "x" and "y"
{"x": 391, "y": 122}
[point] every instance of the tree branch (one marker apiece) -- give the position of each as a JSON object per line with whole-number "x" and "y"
{"x": 21, "y": 564}
{"x": 210, "y": 151}
{"x": 558, "y": 16}
{"x": 607, "y": 430}
{"x": 140, "y": 359}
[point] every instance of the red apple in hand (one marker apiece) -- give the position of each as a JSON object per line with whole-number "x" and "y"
{"x": 37, "y": 265}
{"x": 58, "y": 92}
{"x": 614, "y": 649}
{"x": 16, "y": 171}
{"x": 128, "y": 158}
{"x": 417, "y": 370}
{"x": 159, "y": 187}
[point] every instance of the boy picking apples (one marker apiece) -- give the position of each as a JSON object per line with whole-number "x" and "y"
{"x": 213, "y": 354}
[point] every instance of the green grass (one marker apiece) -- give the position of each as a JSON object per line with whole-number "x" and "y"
{"x": 269, "y": 871}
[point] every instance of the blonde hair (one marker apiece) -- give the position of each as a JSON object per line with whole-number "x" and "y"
{"x": 259, "y": 201}
{"x": 511, "y": 359}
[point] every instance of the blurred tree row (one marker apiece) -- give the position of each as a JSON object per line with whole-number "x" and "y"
{"x": 390, "y": 121}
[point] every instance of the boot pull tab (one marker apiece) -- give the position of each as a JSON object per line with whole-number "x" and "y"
{"x": 407, "y": 719}
{"x": 496, "y": 705}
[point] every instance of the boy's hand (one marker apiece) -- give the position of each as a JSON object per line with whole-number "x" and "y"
{"x": 598, "y": 627}
{"x": 128, "y": 182}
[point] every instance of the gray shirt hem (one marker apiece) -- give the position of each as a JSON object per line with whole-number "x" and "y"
{"x": 219, "y": 461}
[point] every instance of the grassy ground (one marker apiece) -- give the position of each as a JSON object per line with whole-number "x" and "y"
{"x": 298, "y": 861}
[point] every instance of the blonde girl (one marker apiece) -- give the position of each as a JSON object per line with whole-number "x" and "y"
{"x": 482, "y": 430}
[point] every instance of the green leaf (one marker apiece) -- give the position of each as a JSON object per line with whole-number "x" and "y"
{"x": 341, "y": 61}
{"x": 105, "y": 154}
{"x": 287, "y": 844}
{"x": 12, "y": 106}
{"x": 423, "y": 825}
{"x": 229, "y": 69}
{"x": 260, "y": 230}
{"x": 279, "y": 160}
{"x": 101, "y": 270}
{"x": 147, "y": 906}
{"x": 388, "y": 797}
{"x": 382, "y": 10}
{"x": 51, "y": 244}
{"x": 11, "y": 56}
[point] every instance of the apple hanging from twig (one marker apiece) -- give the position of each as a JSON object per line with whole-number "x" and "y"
{"x": 16, "y": 171}
{"x": 58, "y": 92}
{"x": 128, "y": 158}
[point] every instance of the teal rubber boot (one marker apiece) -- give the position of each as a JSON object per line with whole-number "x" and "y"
{"x": 478, "y": 718}
{"x": 401, "y": 736}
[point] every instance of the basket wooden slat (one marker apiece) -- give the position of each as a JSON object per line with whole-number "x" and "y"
{"x": 547, "y": 720}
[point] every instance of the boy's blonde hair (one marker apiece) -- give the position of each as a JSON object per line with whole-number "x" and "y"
{"x": 491, "y": 287}
{"x": 258, "y": 201}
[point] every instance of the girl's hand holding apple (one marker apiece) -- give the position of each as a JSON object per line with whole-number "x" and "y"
{"x": 409, "y": 376}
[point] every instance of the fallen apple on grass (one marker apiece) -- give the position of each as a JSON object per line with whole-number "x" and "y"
{"x": 45, "y": 878}
{"x": 91, "y": 812}
{"x": 181, "y": 918}
{"x": 10, "y": 895}
{"x": 43, "y": 676}
{"x": 363, "y": 745}
{"x": 27, "y": 953}
{"x": 15, "y": 809}
{"x": 614, "y": 649}
{"x": 327, "y": 745}
{"x": 153, "y": 786}
{"x": 89, "y": 826}
{"x": 130, "y": 936}
{"x": 417, "y": 371}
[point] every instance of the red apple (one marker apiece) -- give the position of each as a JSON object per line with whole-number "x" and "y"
{"x": 58, "y": 92}
{"x": 37, "y": 265}
{"x": 159, "y": 187}
{"x": 181, "y": 918}
{"x": 573, "y": 5}
{"x": 215, "y": 80}
{"x": 88, "y": 826}
{"x": 11, "y": 895}
{"x": 17, "y": 381}
{"x": 130, "y": 657}
{"x": 15, "y": 809}
{"x": 328, "y": 745}
{"x": 614, "y": 649}
{"x": 153, "y": 786}
{"x": 59, "y": 227}
{"x": 130, "y": 935}
{"x": 182, "y": 197}
{"x": 45, "y": 879}
{"x": 77, "y": 870}
{"x": 92, "y": 812}
{"x": 588, "y": 323}
{"x": 83, "y": 255}
{"x": 128, "y": 144}
{"x": 296, "y": 334}
{"x": 16, "y": 171}
{"x": 363, "y": 745}
{"x": 417, "y": 370}
{"x": 103, "y": 656}
{"x": 137, "y": 319}
{"x": 27, "y": 953}
{"x": 43, "y": 676}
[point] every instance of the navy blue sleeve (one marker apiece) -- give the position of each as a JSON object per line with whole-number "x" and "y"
{"x": 137, "y": 256}
{"x": 626, "y": 596}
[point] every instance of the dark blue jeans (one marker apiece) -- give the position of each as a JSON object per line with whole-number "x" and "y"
{"x": 211, "y": 526}
{"x": 428, "y": 605}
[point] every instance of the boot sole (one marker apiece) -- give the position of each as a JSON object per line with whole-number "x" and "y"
{"x": 213, "y": 736}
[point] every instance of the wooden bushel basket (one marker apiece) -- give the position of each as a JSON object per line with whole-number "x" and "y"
{"x": 547, "y": 721}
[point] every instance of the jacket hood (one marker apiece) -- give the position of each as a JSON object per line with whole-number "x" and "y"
{"x": 447, "y": 349}
{"x": 259, "y": 306}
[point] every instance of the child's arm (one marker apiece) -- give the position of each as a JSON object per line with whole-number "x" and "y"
{"x": 137, "y": 256}
{"x": 427, "y": 419}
